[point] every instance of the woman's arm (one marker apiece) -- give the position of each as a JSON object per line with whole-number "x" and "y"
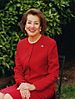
{"x": 18, "y": 70}
{"x": 53, "y": 69}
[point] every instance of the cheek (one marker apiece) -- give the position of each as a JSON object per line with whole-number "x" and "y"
{"x": 38, "y": 28}
{"x": 26, "y": 25}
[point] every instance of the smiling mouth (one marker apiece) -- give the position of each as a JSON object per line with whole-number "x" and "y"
{"x": 32, "y": 30}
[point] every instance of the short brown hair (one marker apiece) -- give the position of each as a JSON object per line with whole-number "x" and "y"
{"x": 33, "y": 11}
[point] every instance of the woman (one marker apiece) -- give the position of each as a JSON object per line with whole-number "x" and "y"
{"x": 36, "y": 63}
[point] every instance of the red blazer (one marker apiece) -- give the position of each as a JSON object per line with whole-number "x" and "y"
{"x": 37, "y": 63}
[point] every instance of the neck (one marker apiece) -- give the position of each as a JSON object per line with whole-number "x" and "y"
{"x": 34, "y": 39}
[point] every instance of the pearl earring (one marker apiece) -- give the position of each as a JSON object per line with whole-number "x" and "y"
{"x": 40, "y": 28}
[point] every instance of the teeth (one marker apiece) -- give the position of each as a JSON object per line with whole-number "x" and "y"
{"x": 31, "y": 30}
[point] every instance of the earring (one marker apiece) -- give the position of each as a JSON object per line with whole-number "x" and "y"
{"x": 40, "y": 29}
{"x": 25, "y": 28}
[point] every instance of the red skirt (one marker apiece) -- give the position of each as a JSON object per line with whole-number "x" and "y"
{"x": 12, "y": 90}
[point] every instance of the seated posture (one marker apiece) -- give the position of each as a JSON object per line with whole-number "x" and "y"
{"x": 36, "y": 62}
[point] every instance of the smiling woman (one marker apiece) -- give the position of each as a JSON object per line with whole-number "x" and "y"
{"x": 36, "y": 63}
{"x": 33, "y": 28}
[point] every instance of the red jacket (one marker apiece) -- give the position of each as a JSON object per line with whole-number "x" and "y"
{"x": 37, "y": 63}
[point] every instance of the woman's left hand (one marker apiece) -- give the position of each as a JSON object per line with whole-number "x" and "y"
{"x": 25, "y": 89}
{"x": 26, "y": 86}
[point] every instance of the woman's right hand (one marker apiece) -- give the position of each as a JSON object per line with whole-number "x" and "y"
{"x": 25, "y": 94}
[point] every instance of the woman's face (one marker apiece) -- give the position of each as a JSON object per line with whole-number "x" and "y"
{"x": 32, "y": 26}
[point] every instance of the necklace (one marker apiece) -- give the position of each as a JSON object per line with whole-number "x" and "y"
{"x": 32, "y": 42}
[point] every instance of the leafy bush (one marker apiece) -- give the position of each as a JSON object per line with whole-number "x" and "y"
{"x": 68, "y": 92}
{"x": 10, "y": 32}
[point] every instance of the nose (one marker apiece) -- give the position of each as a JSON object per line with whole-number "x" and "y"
{"x": 32, "y": 25}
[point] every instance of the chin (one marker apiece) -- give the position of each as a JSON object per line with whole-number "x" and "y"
{"x": 31, "y": 34}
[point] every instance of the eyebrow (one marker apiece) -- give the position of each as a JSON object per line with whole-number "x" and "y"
{"x": 31, "y": 20}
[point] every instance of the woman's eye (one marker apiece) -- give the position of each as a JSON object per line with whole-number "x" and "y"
{"x": 29, "y": 22}
{"x": 36, "y": 23}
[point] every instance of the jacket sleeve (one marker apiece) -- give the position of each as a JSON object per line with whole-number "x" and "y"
{"x": 18, "y": 70}
{"x": 53, "y": 69}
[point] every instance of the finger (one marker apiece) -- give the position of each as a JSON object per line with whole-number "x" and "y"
{"x": 23, "y": 98}
{"x": 18, "y": 88}
{"x": 27, "y": 94}
{"x": 23, "y": 94}
{"x": 27, "y": 97}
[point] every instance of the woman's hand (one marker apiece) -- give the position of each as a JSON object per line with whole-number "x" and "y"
{"x": 26, "y": 86}
{"x": 23, "y": 86}
{"x": 32, "y": 87}
{"x": 25, "y": 89}
{"x": 25, "y": 94}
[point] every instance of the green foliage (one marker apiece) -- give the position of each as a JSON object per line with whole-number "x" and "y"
{"x": 11, "y": 14}
{"x": 68, "y": 92}
{"x": 65, "y": 12}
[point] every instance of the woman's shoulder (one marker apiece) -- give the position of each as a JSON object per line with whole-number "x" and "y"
{"x": 22, "y": 41}
{"x": 48, "y": 40}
